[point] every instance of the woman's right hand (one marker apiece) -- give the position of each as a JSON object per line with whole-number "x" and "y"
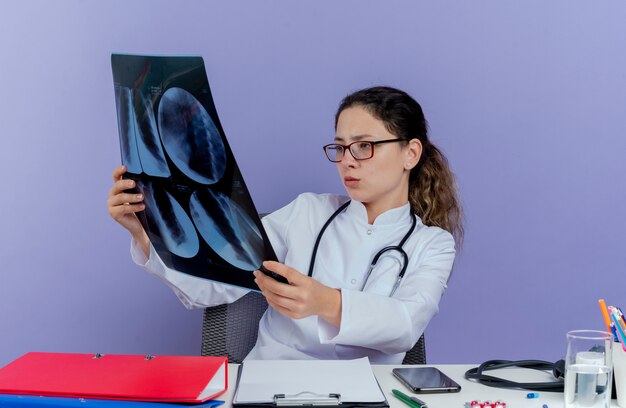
{"x": 123, "y": 206}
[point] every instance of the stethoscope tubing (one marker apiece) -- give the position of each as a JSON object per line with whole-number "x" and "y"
{"x": 405, "y": 259}
{"x": 398, "y": 248}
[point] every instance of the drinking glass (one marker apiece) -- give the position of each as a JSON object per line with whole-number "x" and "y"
{"x": 588, "y": 369}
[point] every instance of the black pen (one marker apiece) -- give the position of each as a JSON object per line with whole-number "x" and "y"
{"x": 410, "y": 401}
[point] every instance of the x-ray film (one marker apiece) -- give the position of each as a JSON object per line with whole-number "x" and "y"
{"x": 199, "y": 215}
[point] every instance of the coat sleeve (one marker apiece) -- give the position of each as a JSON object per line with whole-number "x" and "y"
{"x": 195, "y": 292}
{"x": 394, "y": 324}
{"x": 192, "y": 291}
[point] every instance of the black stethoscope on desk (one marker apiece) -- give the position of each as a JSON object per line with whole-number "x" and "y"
{"x": 397, "y": 248}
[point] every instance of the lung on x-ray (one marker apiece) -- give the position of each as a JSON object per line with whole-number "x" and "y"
{"x": 199, "y": 215}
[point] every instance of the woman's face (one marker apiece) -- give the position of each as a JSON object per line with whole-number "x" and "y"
{"x": 381, "y": 182}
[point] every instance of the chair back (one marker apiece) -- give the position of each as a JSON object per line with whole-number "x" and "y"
{"x": 231, "y": 330}
{"x": 417, "y": 354}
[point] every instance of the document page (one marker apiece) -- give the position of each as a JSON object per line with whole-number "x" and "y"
{"x": 354, "y": 380}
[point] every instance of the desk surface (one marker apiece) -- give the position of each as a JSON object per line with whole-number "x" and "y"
{"x": 469, "y": 390}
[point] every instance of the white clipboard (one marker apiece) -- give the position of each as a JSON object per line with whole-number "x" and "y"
{"x": 307, "y": 382}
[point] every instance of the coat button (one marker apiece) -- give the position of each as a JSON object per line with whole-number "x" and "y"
{"x": 369, "y": 232}
{"x": 353, "y": 281}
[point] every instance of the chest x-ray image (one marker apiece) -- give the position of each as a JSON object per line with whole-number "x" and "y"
{"x": 199, "y": 215}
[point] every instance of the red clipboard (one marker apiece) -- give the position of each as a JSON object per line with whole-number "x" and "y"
{"x": 189, "y": 379}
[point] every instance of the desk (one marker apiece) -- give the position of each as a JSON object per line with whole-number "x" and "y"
{"x": 469, "y": 390}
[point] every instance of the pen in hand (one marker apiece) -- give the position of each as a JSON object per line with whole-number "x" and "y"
{"x": 410, "y": 401}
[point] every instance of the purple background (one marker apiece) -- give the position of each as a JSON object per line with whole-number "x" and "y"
{"x": 527, "y": 99}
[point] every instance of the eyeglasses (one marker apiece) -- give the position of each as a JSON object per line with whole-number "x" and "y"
{"x": 359, "y": 150}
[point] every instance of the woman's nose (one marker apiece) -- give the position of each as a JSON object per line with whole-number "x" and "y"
{"x": 348, "y": 159}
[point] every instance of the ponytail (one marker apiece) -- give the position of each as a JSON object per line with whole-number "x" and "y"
{"x": 433, "y": 193}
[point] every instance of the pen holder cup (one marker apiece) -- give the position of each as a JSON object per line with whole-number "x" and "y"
{"x": 619, "y": 373}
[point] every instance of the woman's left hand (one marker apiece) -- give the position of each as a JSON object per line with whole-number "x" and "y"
{"x": 302, "y": 297}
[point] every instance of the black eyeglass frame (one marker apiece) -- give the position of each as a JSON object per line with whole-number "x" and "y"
{"x": 348, "y": 147}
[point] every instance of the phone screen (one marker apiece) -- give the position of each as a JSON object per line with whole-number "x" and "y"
{"x": 425, "y": 380}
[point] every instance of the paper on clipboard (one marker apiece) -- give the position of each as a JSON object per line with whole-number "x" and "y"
{"x": 261, "y": 380}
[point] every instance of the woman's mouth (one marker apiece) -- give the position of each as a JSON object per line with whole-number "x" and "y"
{"x": 350, "y": 181}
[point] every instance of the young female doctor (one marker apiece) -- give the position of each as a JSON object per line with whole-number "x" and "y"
{"x": 365, "y": 273}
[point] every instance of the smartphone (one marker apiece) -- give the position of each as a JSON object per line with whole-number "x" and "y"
{"x": 425, "y": 380}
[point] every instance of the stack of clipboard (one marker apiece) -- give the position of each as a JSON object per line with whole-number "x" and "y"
{"x": 289, "y": 383}
{"x": 97, "y": 378}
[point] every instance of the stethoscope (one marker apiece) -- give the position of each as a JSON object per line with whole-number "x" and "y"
{"x": 397, "y": 248}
